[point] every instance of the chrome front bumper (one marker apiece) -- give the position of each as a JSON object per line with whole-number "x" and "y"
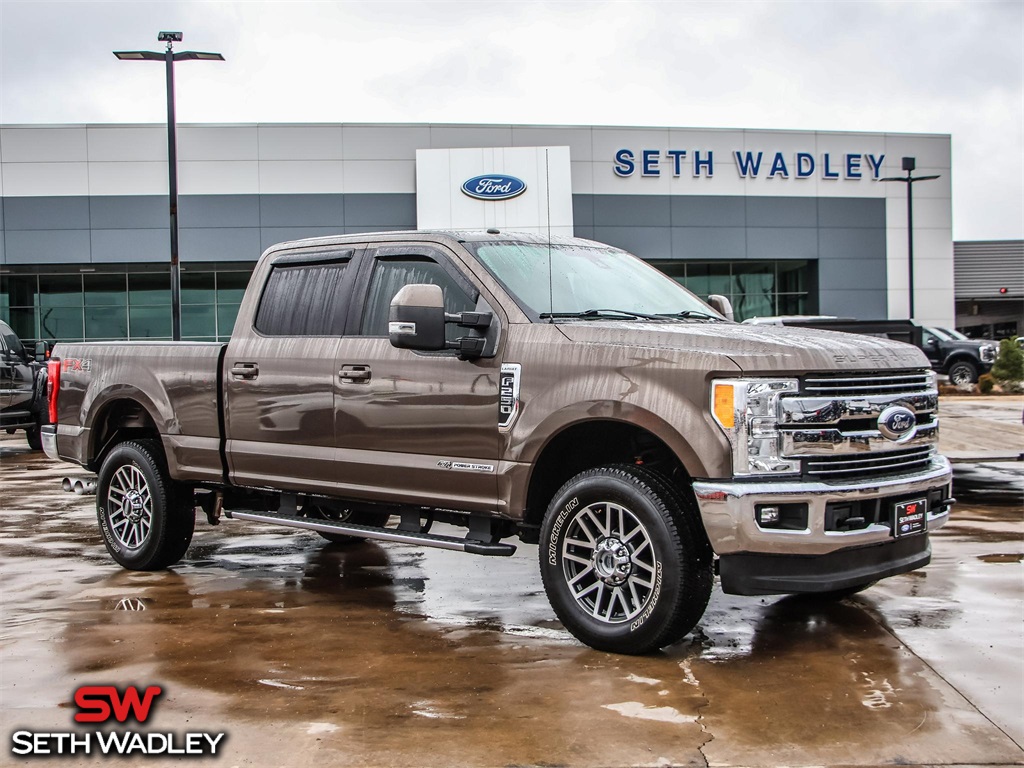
{"x": 727, "y": 509}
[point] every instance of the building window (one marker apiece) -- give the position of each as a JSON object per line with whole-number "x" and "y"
{"x": 75, "y": 304}
{"x": 755, "y": 288}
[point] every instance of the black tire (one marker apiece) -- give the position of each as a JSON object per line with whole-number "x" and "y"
{"x": 963, "y": 372}
{"x": 640, "y": 541}
{"x": 35, "y": 438}
{"x": 146, "y": 519}
{"x": 359, "y": 517}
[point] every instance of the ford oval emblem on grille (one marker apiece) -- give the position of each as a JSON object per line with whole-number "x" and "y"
{"x": 494, "y": 186}
{"x": 897, "y": 423}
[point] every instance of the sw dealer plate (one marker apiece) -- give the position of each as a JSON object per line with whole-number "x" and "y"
{"x": 910, "y": 517}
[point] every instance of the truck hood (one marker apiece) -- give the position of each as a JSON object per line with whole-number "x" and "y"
{"x": 753, "y": 348}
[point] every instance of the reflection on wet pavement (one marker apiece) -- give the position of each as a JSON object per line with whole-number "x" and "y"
{"x": 313, "y": 654}
{"x": 991, "y": 482}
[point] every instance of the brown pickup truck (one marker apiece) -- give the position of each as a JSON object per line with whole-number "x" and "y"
{"x": 559, "y": 391}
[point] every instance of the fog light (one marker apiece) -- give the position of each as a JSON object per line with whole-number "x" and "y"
{"x": 768, "y": 515}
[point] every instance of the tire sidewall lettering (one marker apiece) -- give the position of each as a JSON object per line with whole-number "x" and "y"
{"x": 652, "y": 604}
{"x": 556, "y": 529}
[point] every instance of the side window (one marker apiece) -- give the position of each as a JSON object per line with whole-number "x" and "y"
{"x": 304, "y": 300}
{"x": 391, "y": 275}
{"x": 10, "y": 341}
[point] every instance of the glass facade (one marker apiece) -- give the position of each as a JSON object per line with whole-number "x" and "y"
{"x": 755, "y": 288}
{"x": 115, "y": 302}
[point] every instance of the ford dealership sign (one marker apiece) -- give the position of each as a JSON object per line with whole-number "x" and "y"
{"x": 494, "y": 186}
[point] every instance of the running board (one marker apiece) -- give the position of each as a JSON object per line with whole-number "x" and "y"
{"x": 380, "y": 534}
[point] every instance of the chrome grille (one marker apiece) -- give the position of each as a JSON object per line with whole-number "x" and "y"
{"x": 862, "y": 465}
{"x": 868, "y": 383}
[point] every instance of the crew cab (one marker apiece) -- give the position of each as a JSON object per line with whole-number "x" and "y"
{"x": 558, "y": 391}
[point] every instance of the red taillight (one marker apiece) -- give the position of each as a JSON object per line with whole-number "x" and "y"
{"x": 52, "y": 387}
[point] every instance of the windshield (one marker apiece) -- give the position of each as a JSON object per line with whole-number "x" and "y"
{"x": 942, "y": 335}
{"x": 584, "y": 278}
{"x": 954, "y": 334}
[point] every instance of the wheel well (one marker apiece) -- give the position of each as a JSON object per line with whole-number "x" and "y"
{"x": 595, "y": 444}
{"x": 119, "y": 420}
{"x": 961, "y": 357}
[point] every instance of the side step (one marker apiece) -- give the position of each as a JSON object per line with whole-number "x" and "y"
{"x": 381, "y": 534}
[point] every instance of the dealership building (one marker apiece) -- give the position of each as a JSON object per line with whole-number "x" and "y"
{"x": 781, "y": 222}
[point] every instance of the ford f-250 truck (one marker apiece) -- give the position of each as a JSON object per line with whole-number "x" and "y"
{"x": 556, "y": 390}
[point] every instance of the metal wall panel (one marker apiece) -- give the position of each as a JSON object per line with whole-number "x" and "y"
{"x": 130, "y": 245}
{"x": 46, "y": 213}
{"x": 129, "y": 212}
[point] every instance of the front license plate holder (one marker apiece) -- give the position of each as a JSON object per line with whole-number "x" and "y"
{"x": 909, "y": 517}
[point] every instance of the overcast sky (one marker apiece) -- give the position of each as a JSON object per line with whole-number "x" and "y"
{"x": 920, "y": 67}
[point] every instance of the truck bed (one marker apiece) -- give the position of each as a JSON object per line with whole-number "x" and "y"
{"x": 176, "y": 382}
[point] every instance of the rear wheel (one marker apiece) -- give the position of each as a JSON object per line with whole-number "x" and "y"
{"x": 35, "y": 438}
{"x": 625, "y": 561}
{"x": 146, "y": 520}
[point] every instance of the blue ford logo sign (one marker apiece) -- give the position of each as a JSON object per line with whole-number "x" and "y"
{"x": 494, "y": 186}
{"x": 897, "y": 423}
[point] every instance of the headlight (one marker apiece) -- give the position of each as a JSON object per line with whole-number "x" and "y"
{"x": 988, "y": 353}
{"x": 748, "y": 412}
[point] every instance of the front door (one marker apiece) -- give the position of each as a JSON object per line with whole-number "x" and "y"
{"x": 416, "y": 427}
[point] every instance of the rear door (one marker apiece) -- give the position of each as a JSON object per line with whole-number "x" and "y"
{"x": 280, "y": 374}
{"x": 414, "y": 426}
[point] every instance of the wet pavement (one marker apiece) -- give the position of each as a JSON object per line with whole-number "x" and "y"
{"x": 309, "y": 654}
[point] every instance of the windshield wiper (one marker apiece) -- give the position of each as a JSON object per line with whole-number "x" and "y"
{"x": 686, "y": 314}
{"x": 600, "y": 313}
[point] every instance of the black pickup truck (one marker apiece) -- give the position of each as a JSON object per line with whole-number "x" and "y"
{"x": 22, "y": 388}
{"x": 962, "y": 360}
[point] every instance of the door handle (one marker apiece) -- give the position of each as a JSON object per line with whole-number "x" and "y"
{"x": 354, "y": 373}
{"x": 245, "y": 370}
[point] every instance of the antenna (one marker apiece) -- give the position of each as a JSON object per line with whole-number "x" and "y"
{"x": 547, "y": 189}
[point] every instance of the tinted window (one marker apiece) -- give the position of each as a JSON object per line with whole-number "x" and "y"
{"x": 303, "y": 300}
{"x": 391, "y": 275}
{"x": 10, "y": 340}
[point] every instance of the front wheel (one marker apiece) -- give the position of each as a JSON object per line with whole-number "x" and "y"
{"x": 146, "y": 520}
{"x": 962, "y": 373}
{"x": 625, "y": 561}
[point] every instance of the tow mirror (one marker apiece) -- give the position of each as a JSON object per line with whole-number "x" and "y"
{"x": 416, "y": 318}
{"x": 42, "y": 351}
{"x": 721, "y": 305}
{"x": 417, "y": 321}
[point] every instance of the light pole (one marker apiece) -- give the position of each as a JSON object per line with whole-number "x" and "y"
{"x": 909, "y": 164}
{"x": 169, "y": 57}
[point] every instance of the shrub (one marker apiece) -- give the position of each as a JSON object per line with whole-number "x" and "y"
{"x": 986, "y": 383}
{"x": 1009, "y": 365}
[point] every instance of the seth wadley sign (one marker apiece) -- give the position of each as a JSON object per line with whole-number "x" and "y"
{"x": 771, "y": 165}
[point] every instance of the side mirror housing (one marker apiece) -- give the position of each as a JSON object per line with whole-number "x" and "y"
{"x": 416, "y": 318}
{"x": 42, "y": 351}
{"x": 721, "y": 305}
